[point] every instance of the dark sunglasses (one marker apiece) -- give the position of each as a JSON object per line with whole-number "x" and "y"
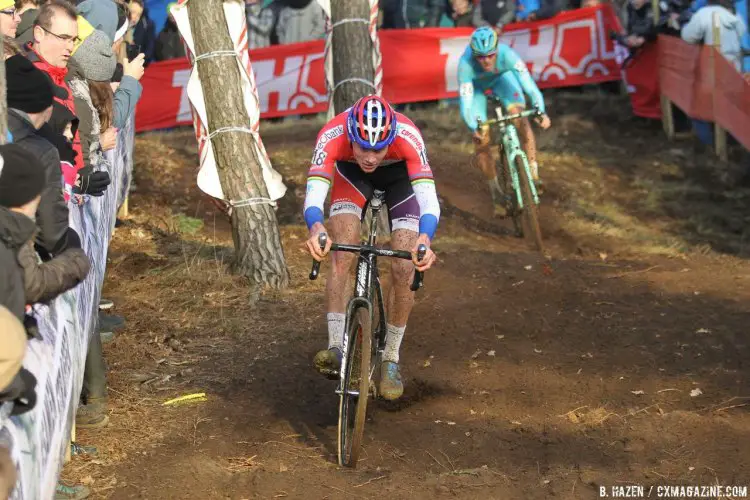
{"x": 8, "y": 12}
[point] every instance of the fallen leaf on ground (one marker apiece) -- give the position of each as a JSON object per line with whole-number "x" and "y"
{"x": 490, "y": 353}
{"x": 638, "y": 392}
{"x": 695, "y": 392}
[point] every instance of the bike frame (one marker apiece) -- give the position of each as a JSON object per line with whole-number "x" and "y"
{"x": 512, "y": 148}
{"x": 368, "y": 280}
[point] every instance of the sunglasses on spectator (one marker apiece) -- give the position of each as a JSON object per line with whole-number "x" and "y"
{"x": 64, "y": 38}
{"x": 8, "y": 12}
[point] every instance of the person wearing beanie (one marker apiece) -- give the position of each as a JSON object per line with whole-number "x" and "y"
{"x": 90, "y": 70}
{"x": 9, "y": 18}
{"x": 22, "y": 180}
{"x": 30, "y": 95}
{"x": 23, "y": 280}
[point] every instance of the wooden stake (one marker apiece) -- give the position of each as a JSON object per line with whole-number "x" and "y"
{"x": 720, "y": 135}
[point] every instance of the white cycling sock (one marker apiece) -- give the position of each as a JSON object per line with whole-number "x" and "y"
{"x": 534, "y": 167}
{"x": 393, "y": 339}
{"x": 336, "y": 324}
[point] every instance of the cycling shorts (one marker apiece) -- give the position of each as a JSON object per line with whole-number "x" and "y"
{"x": 353, "y": 188}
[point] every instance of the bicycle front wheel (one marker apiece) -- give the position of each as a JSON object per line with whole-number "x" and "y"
{"x": 530, "y": 208}
{"x": 355, "y": 386}
{"x": 511, "y": 202}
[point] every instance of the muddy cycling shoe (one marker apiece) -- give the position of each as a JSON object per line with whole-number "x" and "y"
{"x": 328, "y": 362}
{"x": 391, "y": 387}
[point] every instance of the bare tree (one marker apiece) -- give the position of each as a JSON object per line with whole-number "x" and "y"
{"x": 352, "y": 53}
{"x": 352, "y": 48}
{"x": 257, "y": 243}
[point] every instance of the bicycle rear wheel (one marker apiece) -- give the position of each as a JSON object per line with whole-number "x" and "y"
{"x": 356, "y": 384}
{"x": 530, "y": 208}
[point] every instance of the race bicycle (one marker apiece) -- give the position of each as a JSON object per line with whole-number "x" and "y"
{"x": 521, "y": 198}
{"x": 364, "y": 338}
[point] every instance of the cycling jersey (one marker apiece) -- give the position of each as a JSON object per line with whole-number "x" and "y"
{"x": 509, "y": 82}
{"x": 331, "y": 162}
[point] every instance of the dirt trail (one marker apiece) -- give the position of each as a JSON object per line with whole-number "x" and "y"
{"x": 524, "y": 379}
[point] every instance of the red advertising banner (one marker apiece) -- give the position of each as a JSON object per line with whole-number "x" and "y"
{"x": 570, "y": 49}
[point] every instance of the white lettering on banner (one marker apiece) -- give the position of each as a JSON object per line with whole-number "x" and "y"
{"x": 180, "y": 79}
{"x": 292, "y": 85}
{"x": 537, "y": 55}
{"x": 454, "y": 48}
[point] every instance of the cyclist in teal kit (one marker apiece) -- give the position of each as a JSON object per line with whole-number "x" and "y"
{"x": 489, "y": 67}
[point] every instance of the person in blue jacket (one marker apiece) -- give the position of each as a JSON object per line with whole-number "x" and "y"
{"x": 488, "y": 66}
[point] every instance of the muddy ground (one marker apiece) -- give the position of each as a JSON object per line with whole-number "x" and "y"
{"x": 622, "y": 360}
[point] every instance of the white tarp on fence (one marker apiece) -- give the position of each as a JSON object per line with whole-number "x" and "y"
{"x": 38, "y": 439}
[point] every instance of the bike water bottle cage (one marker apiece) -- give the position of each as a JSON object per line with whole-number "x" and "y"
{"x": 371, "y": 123}
{"x": 484, "y": 41}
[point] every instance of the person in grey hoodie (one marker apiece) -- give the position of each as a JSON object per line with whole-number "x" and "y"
{"x": 700, "y": 30}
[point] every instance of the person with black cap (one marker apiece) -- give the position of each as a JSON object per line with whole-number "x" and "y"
{"x": 23, "y": 279}
{"x": 30, "y": 96}
{"x": 21, "y": 185}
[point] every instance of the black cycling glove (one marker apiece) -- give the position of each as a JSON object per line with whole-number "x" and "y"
{"x": 91, "y": 182}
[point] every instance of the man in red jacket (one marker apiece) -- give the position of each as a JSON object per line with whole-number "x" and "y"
{"x": 55, "y": 34}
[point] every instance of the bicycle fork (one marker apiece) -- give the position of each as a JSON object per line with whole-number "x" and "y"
{"x": 513, "y": 150}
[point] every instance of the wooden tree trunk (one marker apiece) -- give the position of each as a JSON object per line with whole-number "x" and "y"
{"x": 259, "y": 254}
{"x": 3, "y": 100}
{"x": 352, "y": 52}
{"x": 352, "y": 58}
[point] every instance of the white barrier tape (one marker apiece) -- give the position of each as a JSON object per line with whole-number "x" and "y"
{"x": 215, "y": 53}
{"x": 251, "y": 202}
{"x": 360, "y": 80}
{"x": 222, "y": 130}
{"x": 350, "y": 20}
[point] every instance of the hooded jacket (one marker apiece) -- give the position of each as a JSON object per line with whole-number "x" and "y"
{"x": 25, "y": 30}
{"x": 700, "y": 30}
{"x": 399, "y": 14}
{"x": 89, "y": 127}
{"x": 52, "y": 215}
{"x": 16, "y": 230}
{"x": 494, "y": 12}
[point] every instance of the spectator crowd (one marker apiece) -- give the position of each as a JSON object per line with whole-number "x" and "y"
{"x": 72, "y": 72}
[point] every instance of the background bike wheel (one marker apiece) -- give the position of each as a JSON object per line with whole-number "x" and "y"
{"x": 530, "y": 209}
{"x": 511, "y": 200}
{"x": 356, "y": 377}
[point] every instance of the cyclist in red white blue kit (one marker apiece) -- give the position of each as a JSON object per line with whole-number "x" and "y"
{"x": 368, "y": 147}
